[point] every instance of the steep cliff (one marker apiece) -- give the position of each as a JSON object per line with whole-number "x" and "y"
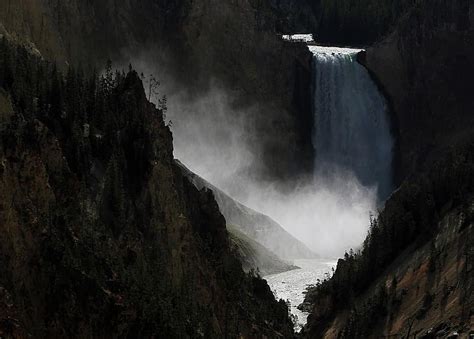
{"x": 425, "y": 66}
{"x": 100, "y": 233}
{"x": 341, "y": 22}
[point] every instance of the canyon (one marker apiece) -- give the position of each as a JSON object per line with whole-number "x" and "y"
{"x": 132, "y": 209}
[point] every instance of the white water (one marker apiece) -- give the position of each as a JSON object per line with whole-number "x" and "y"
{"x": 290, "y": 285}
{"x": 351, "y": 128}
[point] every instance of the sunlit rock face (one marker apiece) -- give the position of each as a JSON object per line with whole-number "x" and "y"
{"x": 351, "y": 124}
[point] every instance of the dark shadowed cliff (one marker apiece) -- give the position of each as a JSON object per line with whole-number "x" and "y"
{"x": 100, "y": 233}
{"x": 425, "y": 66}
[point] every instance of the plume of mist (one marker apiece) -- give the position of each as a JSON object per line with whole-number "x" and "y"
{"x": 329, "y": 213}
{"x": 216, "y": 139}
{"x": 213, "y": 140}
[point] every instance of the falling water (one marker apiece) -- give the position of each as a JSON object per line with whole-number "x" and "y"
{"x": 351, "y": 127}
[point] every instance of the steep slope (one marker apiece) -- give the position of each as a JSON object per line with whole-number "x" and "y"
{"x": 427, "y": 292}
{"x": 426, "y": 68}
{"x": 254, "y": 224}
{"x": 254, "y": 256}
{"x": 414, "y": 272}
{"x": 100, "y": 233}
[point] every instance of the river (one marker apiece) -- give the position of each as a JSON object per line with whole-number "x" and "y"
{"x": 290, "y": 285}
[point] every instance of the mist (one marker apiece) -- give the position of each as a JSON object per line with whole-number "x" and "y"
{"x": 215, "y": 136}
{"x": 328, "y": 212}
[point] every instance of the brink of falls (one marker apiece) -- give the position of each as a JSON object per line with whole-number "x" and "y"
{"x": 351, "y": 124}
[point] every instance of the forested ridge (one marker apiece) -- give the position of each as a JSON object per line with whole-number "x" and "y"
{"x": 409, "y": 220}
{"x": 100, "y": 233}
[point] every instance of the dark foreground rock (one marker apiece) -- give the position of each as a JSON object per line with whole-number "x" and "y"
{"x": 100, "y": 233}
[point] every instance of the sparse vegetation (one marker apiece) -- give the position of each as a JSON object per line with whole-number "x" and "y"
{"x": 410, "y": 218}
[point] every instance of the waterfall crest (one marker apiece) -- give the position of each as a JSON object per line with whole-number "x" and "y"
{"x": 351, "y": 124}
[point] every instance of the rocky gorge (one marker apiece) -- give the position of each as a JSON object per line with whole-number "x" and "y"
{"x": 105, "y": 234}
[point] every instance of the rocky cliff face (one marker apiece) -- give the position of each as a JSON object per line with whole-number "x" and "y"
{"x": 425, "y": 66}
{"x": 426, "y": 293}
{"x": 100, "y": 233}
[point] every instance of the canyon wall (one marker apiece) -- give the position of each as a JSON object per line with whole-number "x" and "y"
{"x": 413, "y": 273}
{"x": 425, "y": 67}
{"x": 100, "y": 232}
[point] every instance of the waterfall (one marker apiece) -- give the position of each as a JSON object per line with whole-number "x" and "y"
{"x": 351, "y": 124}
